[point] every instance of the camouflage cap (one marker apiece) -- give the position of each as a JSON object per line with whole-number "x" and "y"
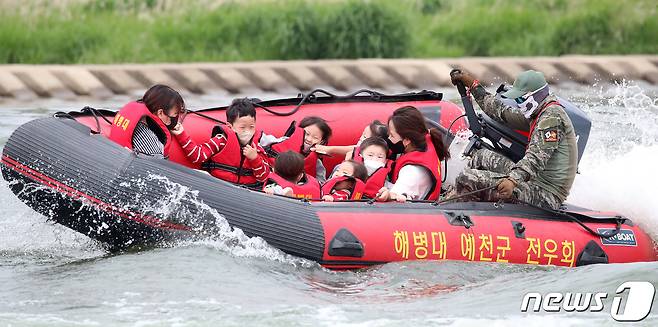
{"x": 528, "y": 81}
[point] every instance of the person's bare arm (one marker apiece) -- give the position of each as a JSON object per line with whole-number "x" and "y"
{"x": 333, "y": 149}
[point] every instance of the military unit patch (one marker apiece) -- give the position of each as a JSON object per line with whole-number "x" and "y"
{"x": 550, "y": 136}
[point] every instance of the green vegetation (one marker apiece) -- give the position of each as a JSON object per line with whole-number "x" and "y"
{"x": 112, "y": 31}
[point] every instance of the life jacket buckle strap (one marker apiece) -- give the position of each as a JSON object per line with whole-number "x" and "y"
{"x": 235, "y": 170}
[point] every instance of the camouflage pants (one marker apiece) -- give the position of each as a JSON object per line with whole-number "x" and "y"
{"x": 486, "y": 169}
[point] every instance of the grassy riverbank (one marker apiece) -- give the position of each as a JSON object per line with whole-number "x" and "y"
{"x": 114, "y": 31}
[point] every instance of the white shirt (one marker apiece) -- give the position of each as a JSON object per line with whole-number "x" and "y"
{"x": 414, "y": 181}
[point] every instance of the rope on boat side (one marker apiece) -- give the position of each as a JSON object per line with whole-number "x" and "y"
{"x": 571, "y": 217}
{"x": 439, "y": 202}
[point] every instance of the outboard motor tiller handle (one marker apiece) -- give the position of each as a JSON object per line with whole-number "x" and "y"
{"x": 473, "y": 120}
{"x": 502, "y": 139}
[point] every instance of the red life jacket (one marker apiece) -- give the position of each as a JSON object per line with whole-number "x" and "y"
{"x": 230, "y": 164}
{"x": 356, "y": 191}
{"x": 310, "y": 189}
{"x": 428, "y": 159}
{"x": 125, "y": 121}
{"x": 377, "y": 180}
{"x": 295, "y": 143}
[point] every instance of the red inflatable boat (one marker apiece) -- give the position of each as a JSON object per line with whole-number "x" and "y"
{"x": 65, "y": 168}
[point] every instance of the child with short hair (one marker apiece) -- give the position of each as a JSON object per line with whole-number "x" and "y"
{"x": 289, "y": 178}
{"x": 373, "y": 152}
{"x": 232, "y": 153}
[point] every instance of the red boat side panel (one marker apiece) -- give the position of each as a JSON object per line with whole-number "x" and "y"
{"x": 398, "y": 237}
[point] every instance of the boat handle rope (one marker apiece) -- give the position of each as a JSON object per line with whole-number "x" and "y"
{"x": 88, "y": 109}
{"x": 311, "y": 96}
{"x": 454, "y": 121}
{"x": 560, "y": 213}
{"x": 256, "y": 104}
{"x": 606, "y": 235}
{"x": 440, "y": 202}
{"x": 95, "y": 113}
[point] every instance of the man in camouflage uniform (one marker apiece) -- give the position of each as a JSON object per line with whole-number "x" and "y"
{"x": 545, "y": 174}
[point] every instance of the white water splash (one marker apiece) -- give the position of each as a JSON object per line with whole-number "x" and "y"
{"x": 626, "y": 184}
{"x": 223, "y": 237}
{"x": 27, "y": 232}
{"x": 630, "y": 95}
{"x": 617, "y": 172}
{"x": 48, "y": 239}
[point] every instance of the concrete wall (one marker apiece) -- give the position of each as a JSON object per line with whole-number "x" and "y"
{"x": 101, "y": 81}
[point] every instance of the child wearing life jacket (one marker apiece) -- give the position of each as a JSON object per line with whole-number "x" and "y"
{"x": 303, "y": 138}
{"x": 346, "y": 183}
{"x": 289, "y": 178}
{"x": 375, "y": 128}
{"x": 373, "y": 152}
{"x": 231, "y": 154}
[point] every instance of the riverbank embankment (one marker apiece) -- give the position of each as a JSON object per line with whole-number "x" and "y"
{"x": 25, "y": 82}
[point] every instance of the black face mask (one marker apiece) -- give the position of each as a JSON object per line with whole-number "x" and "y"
{"x": 173, "y": 123}
{"x": 395, "y": 148}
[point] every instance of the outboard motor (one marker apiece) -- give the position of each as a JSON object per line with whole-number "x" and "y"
{"x": 581, "y": 124}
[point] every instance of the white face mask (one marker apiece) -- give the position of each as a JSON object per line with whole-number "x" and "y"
{"x": 245, "y": 137}
{"x": 372, "y": 165}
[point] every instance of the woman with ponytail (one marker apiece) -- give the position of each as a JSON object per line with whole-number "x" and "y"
{"x": 417, "y": 172}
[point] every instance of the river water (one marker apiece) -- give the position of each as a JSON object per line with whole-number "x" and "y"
{"x": 50, "y": 275}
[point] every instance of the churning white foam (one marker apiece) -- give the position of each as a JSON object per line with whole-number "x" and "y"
{"x": 619, "y": 169}
{"x": 223, "y": 237}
